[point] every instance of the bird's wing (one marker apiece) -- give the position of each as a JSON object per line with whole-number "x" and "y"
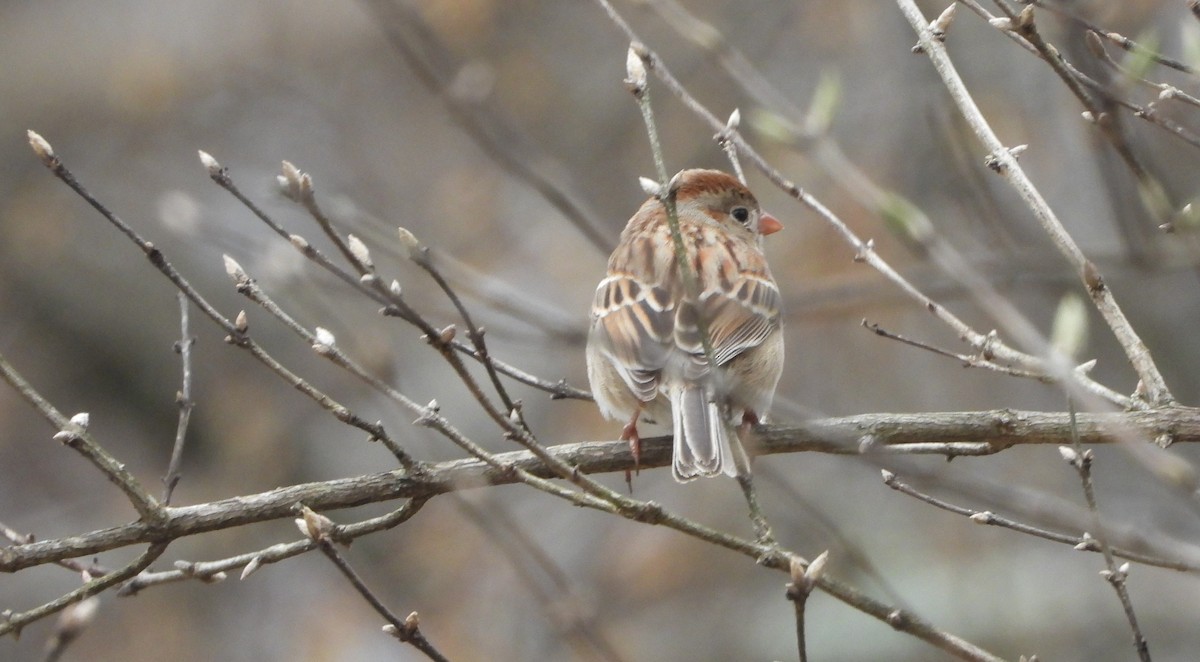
{"x": 632, "y": 321}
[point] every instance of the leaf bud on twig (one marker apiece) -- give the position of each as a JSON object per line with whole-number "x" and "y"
{"x": 635, "y": 70}
{"x": 42, "y": 149}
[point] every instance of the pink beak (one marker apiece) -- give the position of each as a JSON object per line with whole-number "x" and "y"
{"x": 768, "y": 224}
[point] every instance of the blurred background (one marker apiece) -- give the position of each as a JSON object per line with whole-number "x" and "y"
{"x": 128, "y": 91}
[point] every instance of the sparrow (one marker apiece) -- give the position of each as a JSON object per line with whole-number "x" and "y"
{"x": 699, "y": 341}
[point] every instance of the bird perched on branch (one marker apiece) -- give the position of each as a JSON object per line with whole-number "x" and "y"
{"x": 698, "y": 341}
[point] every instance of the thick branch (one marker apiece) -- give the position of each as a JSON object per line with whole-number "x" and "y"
{"x": 951, "y": 434}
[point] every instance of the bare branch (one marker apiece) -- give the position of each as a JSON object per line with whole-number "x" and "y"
{"x": 183, "y": 399}
{"x": 1081, "y": 459}
{"x": 427, "y": 415}
{"x": 422, "y": 257}
{"x": 1082, "y": 543}
{"x": 73, "y": 433}
{"x": 804, "y": 580}
{"x": 14, "y": 622}
{"x": 405, "y": 31}
{"x": 406, "y": 630}
{"x": 251, "y": 561}
{"x": 952, "y": 434}
{"x": 440, "y": 339}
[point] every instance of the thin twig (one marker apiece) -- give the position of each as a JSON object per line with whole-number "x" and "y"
{"x": 1081, "y": 460}
{"x": 183, "y": 399}
{"x": 804, "y": 580}
{"x": 73, "y": 433}
{"x": 559, "y": 390}
{"x": 1165, "y": 91}
{"x": 14, "y": 622}
{"x": 376, "y": 430}
{"x": 223, "y": 178}
{"x": 209, "y": 571}
{"x": 475, "y": 333}
{"x": 977, "y": 361}
{"x": 638, "y": 85}
{"x": 323, "y": 533}
{"x": 758, "y": 518}
{"x": 1082, "y": 543}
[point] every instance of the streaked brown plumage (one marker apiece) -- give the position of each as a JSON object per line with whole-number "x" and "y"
{"x": 646, "y": 354}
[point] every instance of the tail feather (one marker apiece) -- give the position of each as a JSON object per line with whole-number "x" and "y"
{"x": 701, "y": 436}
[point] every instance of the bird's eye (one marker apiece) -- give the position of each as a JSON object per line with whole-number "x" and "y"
{"x": 741, "y": 214}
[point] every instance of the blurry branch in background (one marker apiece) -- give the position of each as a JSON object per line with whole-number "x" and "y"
{"x": 1165, "y": 91}
{"x": 73, "y": 620}
{"x": 550, "y": 584}
{"x": 451, "y": 82}
{"x": 1125, "y": 43}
